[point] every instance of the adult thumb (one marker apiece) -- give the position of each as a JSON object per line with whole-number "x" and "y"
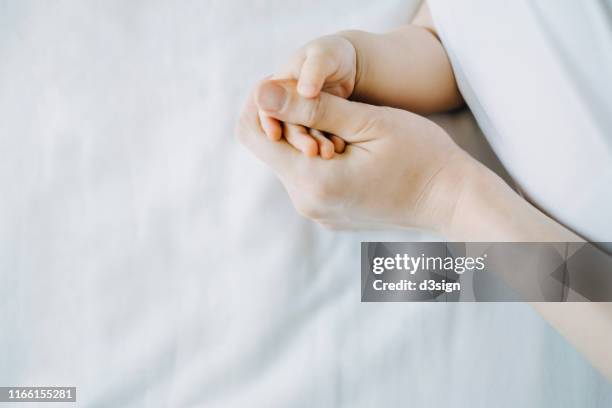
{"x": 329, "y": 113}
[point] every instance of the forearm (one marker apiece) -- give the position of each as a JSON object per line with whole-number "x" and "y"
{"x": 407, "y": 68}
{"x": 488, "y": 210}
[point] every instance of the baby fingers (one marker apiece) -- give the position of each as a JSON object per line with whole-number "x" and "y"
{"x": 317, "y": 67}
{"x": 271, "y": 127}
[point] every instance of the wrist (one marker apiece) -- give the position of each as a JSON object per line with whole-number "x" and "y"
{"x": 356, "y": 39}
{"x": 443, "y": 199}
{"x": 486, "y": 209}
{"x": 470, "y": 205}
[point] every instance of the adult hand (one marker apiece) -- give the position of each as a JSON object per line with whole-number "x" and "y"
{"x": 399, "y": 169}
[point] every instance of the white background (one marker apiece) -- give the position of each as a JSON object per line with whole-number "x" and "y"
{"x": 149, "y": 260}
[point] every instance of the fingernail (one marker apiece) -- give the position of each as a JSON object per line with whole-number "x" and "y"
{"x": 271, "y": 97}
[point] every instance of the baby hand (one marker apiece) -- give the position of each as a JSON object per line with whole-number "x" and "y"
{"x": 326, "y": 64}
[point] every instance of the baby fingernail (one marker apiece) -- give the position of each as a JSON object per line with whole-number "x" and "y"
{"x": 271, "y": 97}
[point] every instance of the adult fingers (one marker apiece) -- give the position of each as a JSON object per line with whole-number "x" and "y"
{"x": 339, "y": 143}
{"x": 349, "y": 120}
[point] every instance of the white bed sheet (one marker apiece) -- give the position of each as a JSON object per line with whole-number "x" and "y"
{"x": 149, "y": 260}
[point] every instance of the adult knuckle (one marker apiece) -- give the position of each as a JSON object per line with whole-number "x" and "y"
{"x": 379, "y": 120}
{"x": 323, "y": 191}
{"x": 313, "y": 200}
{"x": 315, "y": 112}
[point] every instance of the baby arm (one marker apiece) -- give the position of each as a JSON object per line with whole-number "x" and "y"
{"x": 407, "y": 68}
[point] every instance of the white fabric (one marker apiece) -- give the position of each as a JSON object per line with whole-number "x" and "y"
{"x": 149, "y": 260}
{"x": 536, "y": 74}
